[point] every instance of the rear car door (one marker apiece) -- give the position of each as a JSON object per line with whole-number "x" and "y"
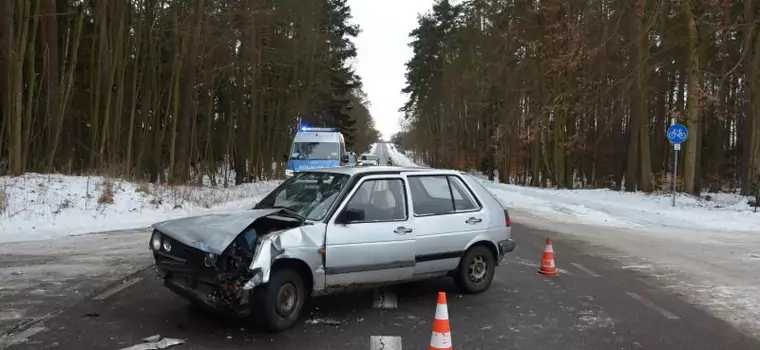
{"x": 448, "y": 217}
{"x": 379, "y": 248}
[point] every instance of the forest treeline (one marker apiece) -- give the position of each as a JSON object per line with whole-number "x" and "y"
{"x": 161, "y": 89}
{"x": 580, "y": 93}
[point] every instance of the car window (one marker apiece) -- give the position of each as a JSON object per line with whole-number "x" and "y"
{"x": 381, "y": 200}
{"x": 463, "y": 199}
{"x": 310, "y": 194}
{"x": 430, "y": 195}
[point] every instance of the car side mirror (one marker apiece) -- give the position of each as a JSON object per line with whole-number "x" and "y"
{"x": 350, "y": 215}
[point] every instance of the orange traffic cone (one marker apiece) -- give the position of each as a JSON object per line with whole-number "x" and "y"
{"x": 441, "y": 339}
{"x": 547, "y": 262}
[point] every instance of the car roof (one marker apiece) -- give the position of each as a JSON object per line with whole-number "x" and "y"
{"x": 378, "y": 170}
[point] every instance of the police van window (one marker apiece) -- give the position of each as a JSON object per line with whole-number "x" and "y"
{"x": 315, "y": 150}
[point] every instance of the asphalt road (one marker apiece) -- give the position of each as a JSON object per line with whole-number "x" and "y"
{"x": 382, "y": 152}
{"x": 593, "y": 304}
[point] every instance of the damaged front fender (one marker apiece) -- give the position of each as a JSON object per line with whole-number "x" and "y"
{"x": 267, "y": 252}
{"x": 301, "y": 244}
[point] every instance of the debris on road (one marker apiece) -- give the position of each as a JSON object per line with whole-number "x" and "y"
{"x": 156, "y": 342}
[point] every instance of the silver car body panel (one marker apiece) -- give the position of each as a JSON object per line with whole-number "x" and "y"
{"x": 301, "y": 243}
{"x": 211, "y": 233}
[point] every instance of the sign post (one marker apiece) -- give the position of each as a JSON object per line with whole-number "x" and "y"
{"x": 676, "y": 134}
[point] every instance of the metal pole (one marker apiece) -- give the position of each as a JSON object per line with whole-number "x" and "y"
{"x": 675, "y": 175}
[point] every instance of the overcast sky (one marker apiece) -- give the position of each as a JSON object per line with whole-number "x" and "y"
{"x": 382, "y": 53}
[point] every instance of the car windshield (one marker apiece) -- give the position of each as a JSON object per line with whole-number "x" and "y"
{"x": 310, "y": 194}
{"x": 368, "y": 157}
{"x": 315, "y": 150}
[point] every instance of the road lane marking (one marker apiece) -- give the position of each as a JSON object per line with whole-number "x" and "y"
{"x": 385, "y": 299}
{"x": 115, "y": 289}
{"x": 669, "y": 315}
{"x": 384, "y": 343}
{"x": 585, "y": 269}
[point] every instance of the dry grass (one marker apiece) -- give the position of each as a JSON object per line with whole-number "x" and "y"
{"x": 106, "y": 193}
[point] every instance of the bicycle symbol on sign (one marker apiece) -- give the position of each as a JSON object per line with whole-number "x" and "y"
{"x": 677, "y": 134}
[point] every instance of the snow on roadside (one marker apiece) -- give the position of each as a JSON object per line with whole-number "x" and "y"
{"x": 724, "y": 212}
{"x": 41, "y": 206}
{"x": 398, "y": 158}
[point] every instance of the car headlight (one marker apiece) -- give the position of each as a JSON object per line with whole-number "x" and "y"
{"x": 167, "y": 245}
{"x": 155, "y": 241}
{"x": 209, "y": 260}
{"x": 288, "y": 172}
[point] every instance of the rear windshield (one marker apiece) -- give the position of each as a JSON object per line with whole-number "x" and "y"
{"x": 365, "y": 157}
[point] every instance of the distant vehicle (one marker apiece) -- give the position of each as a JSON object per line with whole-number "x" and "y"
{"x": 301, "y": 240}
{"x": 316, "y": 148}
{"x": 369, "y": 160}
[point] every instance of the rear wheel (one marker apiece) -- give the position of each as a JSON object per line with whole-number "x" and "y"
{"x": 279, "y": 302}
{"x": 476, "y": 270}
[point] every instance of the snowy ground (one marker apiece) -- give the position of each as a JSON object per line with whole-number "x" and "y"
{"x": 36, "y": 206}
{"x": 706, "y": 251}
{"x": 399, "y": 158}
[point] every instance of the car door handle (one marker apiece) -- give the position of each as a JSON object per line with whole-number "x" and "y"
{"x": 401, "y": 230}
{"x": 473, "y": 220}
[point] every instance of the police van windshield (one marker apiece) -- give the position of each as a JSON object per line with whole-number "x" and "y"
{"x": 315, "y": 150}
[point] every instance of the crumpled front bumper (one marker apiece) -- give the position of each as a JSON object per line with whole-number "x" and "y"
{"x": 201, "y": 297}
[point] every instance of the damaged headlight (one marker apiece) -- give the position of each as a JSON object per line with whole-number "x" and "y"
{"x": 255, "y": 281}
{"x": 167, "y": 245}
{"x": 209, "y": 260}
{"x": 155, "y": 241}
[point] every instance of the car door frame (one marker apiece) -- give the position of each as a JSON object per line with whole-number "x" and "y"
{"x": 397, "y": 264}
{"x": 437, "y": 252}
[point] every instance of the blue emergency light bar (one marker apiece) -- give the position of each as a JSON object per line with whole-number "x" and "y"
{"x": 307, "y": 128}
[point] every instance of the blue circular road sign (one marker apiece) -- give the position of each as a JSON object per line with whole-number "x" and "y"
{"x": 677, "y": 133}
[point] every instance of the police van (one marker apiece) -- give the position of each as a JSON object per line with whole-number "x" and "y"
{"x": 316, "y": 148}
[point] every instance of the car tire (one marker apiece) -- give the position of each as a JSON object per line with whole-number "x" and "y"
{"x": 476, "y": 270}
{"x": 278, "y": 303}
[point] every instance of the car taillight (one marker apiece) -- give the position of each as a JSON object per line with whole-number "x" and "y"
{"x": 507, "y": 221}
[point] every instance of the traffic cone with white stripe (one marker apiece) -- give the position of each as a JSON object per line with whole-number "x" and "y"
{"x": 547, "y": 262}
{"x": 441, "y": 339}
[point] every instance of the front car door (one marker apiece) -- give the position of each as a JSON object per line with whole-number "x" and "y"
{"x": 448, "y": 217}
{"x": 379, "y": 248}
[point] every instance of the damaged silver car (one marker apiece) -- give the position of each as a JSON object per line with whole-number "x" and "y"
{"x": 332, "y": 230}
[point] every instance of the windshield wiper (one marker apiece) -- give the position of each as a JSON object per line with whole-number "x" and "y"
{"x": 291, "y": 212}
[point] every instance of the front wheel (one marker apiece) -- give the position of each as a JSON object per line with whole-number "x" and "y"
{"x": 476, "y": 270}
{"x": 279, "y": 302}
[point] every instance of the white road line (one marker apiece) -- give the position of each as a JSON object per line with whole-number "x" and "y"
{"x": 384, "y": 343}
{"x": 669, "y": 315}
{"x": 385, "y": 299}
{"x": 586, "y": 270}
{"x": 128, "y": 283}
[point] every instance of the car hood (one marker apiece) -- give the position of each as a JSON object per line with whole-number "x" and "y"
{"x": 211, "y": 233}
